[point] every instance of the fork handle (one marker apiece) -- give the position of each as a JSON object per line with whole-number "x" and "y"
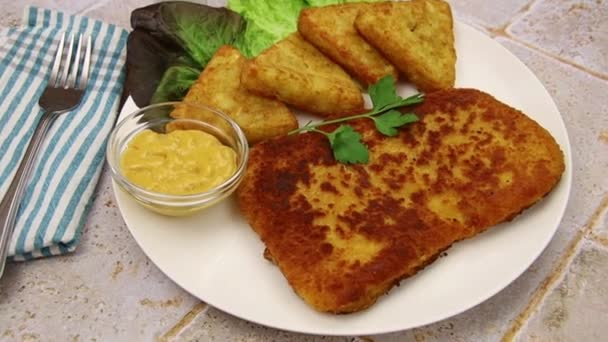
{"x": 10, "y": 203}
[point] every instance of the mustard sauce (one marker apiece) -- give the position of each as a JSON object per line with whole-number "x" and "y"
{"x": 182, "y": 162}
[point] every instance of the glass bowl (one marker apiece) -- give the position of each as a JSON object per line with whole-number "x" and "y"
{"x": 163, "y": 118}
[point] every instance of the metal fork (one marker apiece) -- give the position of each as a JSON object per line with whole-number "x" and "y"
{"x": 63, "y": 93}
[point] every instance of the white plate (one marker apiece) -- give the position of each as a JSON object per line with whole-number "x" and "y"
{"x": 217, "y": 257}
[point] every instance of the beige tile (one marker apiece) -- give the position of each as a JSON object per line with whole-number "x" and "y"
{"x": 576, "y": 30}
{"x": 445, "y": 331}
{"x": 106, "y": 290}
{"x": 75, "y": 6}
{"x": 12, "y": 11}
{"x": 215, "y": 325}
{"x": 580, "y": 101}
{"x": 575, "y": 310}
{"x": 601, "y": 223}
{"x": 116, "y": 12}
{"x": 491, "y": 15}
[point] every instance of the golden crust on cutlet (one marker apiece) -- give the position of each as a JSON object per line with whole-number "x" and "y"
{"x": 417, "y": 37}
{"x": 219, "y": 86}
{"x": 295, "y": 72}
{"x": 343, "y": 235}
{"x": 332, "y": 30}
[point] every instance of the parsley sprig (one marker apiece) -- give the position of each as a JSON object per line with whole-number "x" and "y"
{"x": 346, "y": 142}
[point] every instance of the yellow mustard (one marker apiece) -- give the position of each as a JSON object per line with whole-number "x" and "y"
{"x": 181, "y": 162}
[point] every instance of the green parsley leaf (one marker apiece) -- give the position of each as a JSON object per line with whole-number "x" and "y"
{"x": 414, "y": 99}
{"x": 347, "y": 146}
{"x": 384, "y": 96}
{"x": 346, "y": 142}
{"x": 388, "y": 122}
{"x": 383, "y": 93}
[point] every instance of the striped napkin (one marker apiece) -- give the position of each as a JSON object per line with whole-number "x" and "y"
{"x": 60, "y": 192}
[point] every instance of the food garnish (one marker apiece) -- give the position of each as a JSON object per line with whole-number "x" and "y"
{"x": 346, "y": 142}
{"x": 268, "y": 21}
{"x": 172, "y": 41}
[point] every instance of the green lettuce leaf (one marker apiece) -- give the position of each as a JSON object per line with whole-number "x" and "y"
{"x": 319, "y": 3}
{"x": 147, "y": 60}
{"x": 268, "y": 21}
{"x": 171, "y": 43}
{"x": 199, "y": 29}
{"x": 176, "y": 80}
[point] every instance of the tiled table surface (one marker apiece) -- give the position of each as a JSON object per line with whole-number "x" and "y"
{"x": 108, "y": 290}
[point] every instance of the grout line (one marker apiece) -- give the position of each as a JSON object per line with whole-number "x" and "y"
{"x": 557, "y": 273}
{"x": 598, "y": 213}
{"x": 419, "y": 336}
{"x": 498, "y": 31}
{"x": 599, "y": 239}
{"x": 501, "y": 31}
{"x": 520, "y": 14}
{"x": 604, "y": 136}
{"x": 183, "y": 322}
{"x": 593, "y": 235}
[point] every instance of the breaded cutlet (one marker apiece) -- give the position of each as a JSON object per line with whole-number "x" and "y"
{"x": 417, "y": 37}
{"x": 219, "y": 86}
{"x": 332, "y": 30}
{"x": 343, "y": 235}
{"x": 295, "y": 72}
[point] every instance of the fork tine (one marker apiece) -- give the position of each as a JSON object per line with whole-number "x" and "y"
{"x": 57, "y": 62}
{"x": 86, "y": 65}
{"x": 74, "y": 73}
{"x": 66, "y": 67}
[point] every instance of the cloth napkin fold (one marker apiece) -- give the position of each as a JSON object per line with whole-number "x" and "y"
{"x": 60, "y": 191}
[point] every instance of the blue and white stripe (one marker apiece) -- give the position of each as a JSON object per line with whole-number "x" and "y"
{"x": 60, "y": 192}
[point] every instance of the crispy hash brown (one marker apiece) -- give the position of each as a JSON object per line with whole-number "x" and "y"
{"x": 298, "y": 74}
{"x": 343, "y": 235}
{"x": 219, "y": 86}
{"x": 332, "y": 30}
{"x": 417, "y": 37}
